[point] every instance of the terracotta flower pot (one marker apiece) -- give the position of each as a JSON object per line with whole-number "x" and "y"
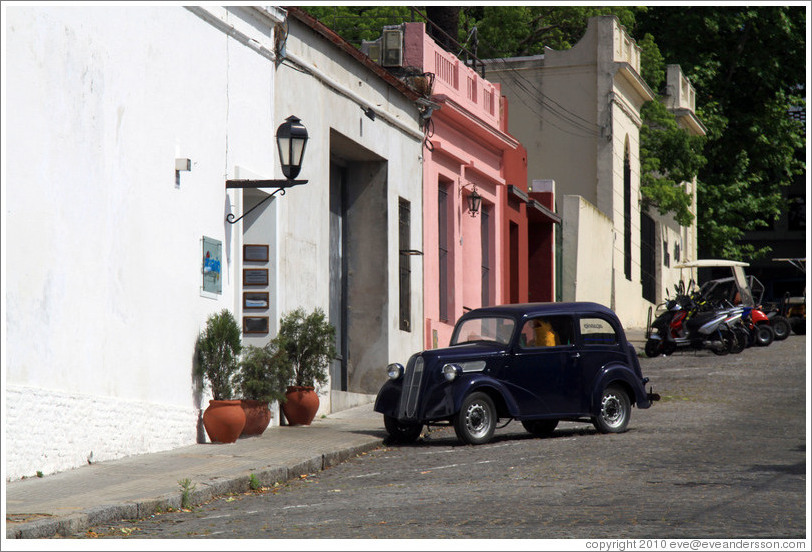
{"x": 224, "y": 421}
{"x": 301, "y": 405}
{"x": 257, "y": 416}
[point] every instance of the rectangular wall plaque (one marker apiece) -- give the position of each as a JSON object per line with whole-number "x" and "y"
{"x": 255, "y": 276}
{"x": 255, "y": 324}
{"x": 255, "y": 252}
{"x": 255, "y": 300}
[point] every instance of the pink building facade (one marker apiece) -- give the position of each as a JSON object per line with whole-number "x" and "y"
{"x": 483, "y": 258}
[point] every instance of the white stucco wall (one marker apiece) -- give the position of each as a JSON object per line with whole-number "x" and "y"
{"x": 329, "y": 98}
{"x": 586, "y": 266}
{"x": 103, "y": 283}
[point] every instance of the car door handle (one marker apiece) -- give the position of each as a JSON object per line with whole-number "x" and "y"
{"x": 576, "y": 355}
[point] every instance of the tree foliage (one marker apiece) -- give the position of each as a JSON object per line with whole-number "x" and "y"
{"x": 746, "y": 63}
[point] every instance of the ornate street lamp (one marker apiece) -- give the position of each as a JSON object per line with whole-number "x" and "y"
{"x": 291, "y": 139}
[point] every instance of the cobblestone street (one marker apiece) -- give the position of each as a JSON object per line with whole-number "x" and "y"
{"x": 722, "y": 455}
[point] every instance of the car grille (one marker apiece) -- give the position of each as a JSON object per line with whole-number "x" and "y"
{"x": 411, "y": 387}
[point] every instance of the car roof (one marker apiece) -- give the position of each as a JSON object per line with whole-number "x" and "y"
{"x": 539, "y": 309}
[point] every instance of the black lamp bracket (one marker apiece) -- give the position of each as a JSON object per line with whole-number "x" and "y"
{"x": 280, "y": 186}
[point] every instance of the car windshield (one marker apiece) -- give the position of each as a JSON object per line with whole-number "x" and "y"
{"x": 492, "y": 328}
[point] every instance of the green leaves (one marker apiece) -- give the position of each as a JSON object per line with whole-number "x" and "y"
{"x": 669, "y": 156}
{"x": 218, "y": 351}
{"x": 746, "y": 63}
{"x": 264, "y": 373}
{"x": 309, "y": 343}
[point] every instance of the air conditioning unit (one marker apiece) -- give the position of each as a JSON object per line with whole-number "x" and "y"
{"x": 372, "y": 48}
{"x": 392, "y": 47}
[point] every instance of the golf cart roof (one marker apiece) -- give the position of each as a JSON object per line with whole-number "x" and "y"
{"x": 702, "y": 263}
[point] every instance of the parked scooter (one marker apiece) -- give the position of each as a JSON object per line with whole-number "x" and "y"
{"x": 683, "y": 324}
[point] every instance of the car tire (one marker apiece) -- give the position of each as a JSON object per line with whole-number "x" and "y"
{"x": 401, "y": 432}
{"x": 476, "y": 421}
{"x": 540, "y": 428}
{"x": 781, "y": 327}
{"x": 615, "y": 411}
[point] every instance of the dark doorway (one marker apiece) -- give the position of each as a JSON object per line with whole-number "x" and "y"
{"x": 648, "y": 258}
{"x": 359, "y": 278}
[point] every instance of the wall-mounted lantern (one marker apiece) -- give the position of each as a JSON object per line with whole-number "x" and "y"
{"x": 474, "y": 202}
{"x": 291, "y": 139}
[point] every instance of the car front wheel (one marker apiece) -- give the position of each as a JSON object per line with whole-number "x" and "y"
{"x": 401, "y": 432}
{"x": 476, "y": 420}
{"x": 615, "y": 411}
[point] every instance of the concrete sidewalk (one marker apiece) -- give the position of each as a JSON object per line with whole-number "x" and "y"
{"x": 136, "y": 486}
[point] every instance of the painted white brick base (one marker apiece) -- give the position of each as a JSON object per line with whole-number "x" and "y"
{"x": 50, "y": 431}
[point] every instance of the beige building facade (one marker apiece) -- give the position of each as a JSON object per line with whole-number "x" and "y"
{"x": 578, "y": 113}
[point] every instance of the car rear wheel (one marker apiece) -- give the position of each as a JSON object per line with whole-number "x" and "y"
{"x": 615, "y": 411}
{"x": 401, "y": 432}
{"x": 476, "y": 420}
{"x": 540, "y": 427}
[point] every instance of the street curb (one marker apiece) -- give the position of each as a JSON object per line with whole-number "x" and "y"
{"x": 75, "y": 523}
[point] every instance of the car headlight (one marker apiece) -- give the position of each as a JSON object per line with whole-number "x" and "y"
{"x": 394, "y": 371}
{"x": 451, "y": 371}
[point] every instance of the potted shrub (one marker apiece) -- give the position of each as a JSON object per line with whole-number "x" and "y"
{"x": 262, "y": 378}
{"x": 308, "y": 341}
{"x": 218, "y": 350}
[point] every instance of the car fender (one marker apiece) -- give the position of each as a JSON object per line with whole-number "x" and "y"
{"x": 618, "y": 373}
{"x": 487, "y": 384}
{"x": 388, "y": 398}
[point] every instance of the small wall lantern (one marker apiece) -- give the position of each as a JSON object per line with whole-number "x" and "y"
{"x": 474, "y": 202}
{"x": 291, "y": 139}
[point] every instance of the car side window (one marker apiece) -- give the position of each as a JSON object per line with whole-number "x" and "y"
{"x": 597, "y": 331}
{"x": 546, "y": 331}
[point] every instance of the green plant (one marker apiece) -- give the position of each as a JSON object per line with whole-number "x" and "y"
{"x": 39, "y": 474}
{"x": 254, "y": 482}
{"x": 218, "y": 350}
{"x": 309, "y": 344}
{"x": 263, "y": 373}
{"x": 186, "y": 488}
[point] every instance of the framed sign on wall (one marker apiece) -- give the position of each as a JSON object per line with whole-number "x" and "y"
{"x": 255, "y": 252}
{"x": 255, "y": 276}
{"x": 255, "y": 300}
{"x": 255, "y": 324}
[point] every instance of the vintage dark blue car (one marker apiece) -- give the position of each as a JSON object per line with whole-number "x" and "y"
{"x": 537, "y": 363}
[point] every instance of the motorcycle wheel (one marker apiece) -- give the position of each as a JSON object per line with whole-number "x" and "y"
{"x": 781, "y": 327}
{"x": 727, "y": 338}
{"x": 653, "y": 348}
{"x": 740, "y": 342}
{"x": 764, "y": 335}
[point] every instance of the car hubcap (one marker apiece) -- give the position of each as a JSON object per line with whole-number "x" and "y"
{"x": 477, "y": 420}
{"x": 612, "y": 410}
